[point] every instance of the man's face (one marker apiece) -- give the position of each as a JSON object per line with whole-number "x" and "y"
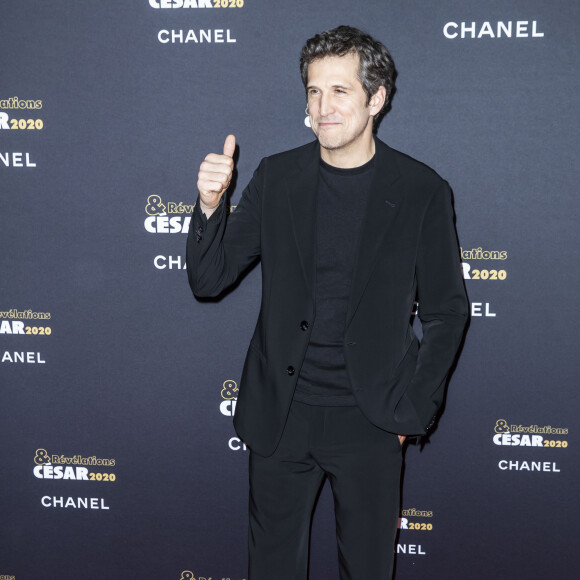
{"x": 339, "y": 114}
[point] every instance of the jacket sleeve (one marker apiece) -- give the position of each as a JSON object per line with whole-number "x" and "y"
{"x": 220, "y": 248}
{"x": 443, "y": 306}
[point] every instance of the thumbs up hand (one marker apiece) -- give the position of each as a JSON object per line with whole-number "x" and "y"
{"x": 215, "y": 174}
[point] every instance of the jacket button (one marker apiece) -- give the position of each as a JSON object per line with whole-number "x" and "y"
{"x": 290, "y": 370}
{"x": 304, "y": 325}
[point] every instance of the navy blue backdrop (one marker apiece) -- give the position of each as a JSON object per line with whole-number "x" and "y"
{"x": 118, "y": 457}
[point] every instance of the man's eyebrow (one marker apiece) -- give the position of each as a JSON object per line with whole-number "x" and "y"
{"x": 334, "y": 86}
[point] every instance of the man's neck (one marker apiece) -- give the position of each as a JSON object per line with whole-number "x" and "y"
{"x": 349, "y": 157}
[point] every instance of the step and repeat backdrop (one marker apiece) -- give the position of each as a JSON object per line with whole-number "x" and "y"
{"x": 118, "y": 456}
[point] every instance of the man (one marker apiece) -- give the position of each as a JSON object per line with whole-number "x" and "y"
{"x": 349, "y": 233}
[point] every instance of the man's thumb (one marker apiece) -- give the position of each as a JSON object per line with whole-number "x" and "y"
{"x": 230, "y": 145}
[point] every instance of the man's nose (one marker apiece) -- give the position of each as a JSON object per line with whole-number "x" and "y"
{"x": 326, "y": 107}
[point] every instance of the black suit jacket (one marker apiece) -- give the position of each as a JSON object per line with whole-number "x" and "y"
{"x": 407, "y": 249}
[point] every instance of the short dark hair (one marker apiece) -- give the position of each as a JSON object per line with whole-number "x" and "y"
{"x": 376, "y": 66}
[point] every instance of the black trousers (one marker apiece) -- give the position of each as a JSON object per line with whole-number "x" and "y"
{"x": 363, "y": 464}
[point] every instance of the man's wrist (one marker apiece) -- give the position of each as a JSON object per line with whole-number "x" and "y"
{"x": 205, "y": 209}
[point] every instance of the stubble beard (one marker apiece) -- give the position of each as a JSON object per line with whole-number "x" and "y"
{"x": 336, "y": 142}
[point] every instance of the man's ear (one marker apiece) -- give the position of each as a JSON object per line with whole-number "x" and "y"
{"x": 377, "y": 101}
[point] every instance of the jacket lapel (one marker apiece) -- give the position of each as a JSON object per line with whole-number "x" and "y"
{"x": 383, "y": 205}
{"x": 301, "y": 188}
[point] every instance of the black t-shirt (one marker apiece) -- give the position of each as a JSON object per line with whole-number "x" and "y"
{"x": 340, "y": 206}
